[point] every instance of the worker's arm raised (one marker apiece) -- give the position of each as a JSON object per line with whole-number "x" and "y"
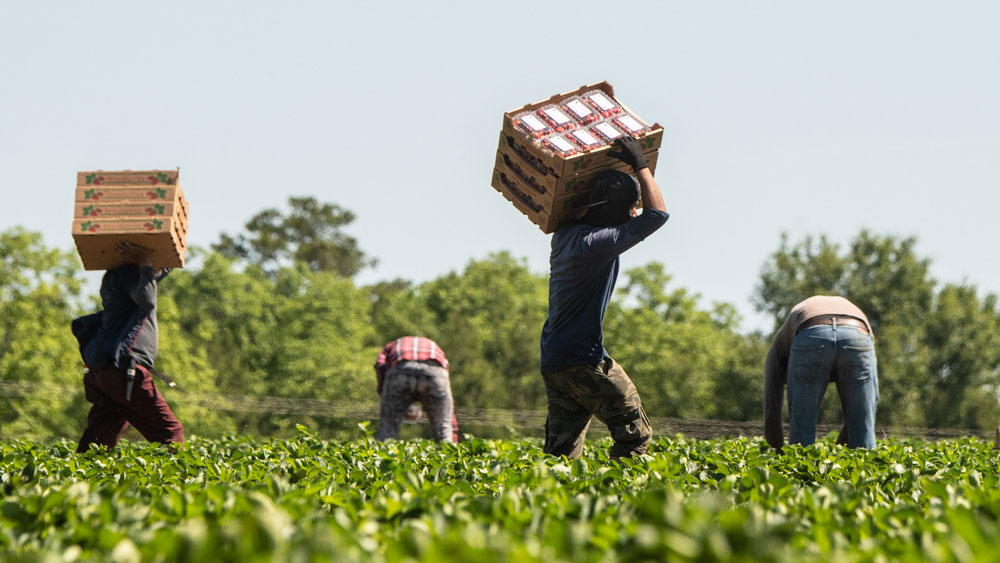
{"x": 629, "y": 151}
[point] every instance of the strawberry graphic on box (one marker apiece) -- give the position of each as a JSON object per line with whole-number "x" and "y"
{"x": 93, "y": 194}
{"x": 91, "y": 211}
{"x": 157, "y": 193}
{"x": 157, "y": 209}
{"x": 89, "y": 226}
{"x": 159, "y": 177}
{"x": 153, "y": 225}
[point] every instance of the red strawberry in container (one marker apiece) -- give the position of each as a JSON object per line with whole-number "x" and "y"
{"x": 602, "y": 103}
{"x": 585, "y": 139}
{"x": 580, "y": 111}
{"x": 532, "y": 125}
{"x": 630, "y": 125}
{"x": 557, "y": 118}
{"x": 559, "y": 145}
{"x": 606, "y": 130}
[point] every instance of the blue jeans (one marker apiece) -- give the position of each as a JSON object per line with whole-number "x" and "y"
{"x": 843, "y": 354}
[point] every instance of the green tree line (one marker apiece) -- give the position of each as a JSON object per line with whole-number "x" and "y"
{"x": 275, "y": 312}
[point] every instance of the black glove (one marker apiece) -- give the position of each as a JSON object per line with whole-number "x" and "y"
{"x": 630, "y": 152}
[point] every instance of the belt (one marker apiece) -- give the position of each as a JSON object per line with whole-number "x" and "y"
{"x": 828, "y": 320}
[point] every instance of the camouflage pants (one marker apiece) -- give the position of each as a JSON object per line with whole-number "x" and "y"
{"x": 578, "y": 392}
{"x": 411, "y": 381}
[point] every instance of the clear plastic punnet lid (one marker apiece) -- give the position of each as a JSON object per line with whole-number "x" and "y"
{"x": 559, "y": 145}
{"x": 585, "y": 139}
{"x": 606, "y": 131}
{"x": 557, "y": 118}
{"x": 602, "y": 103}
{"x": 532, "y": 125}
{"x": 580, "y": 110}
{"x": 629, "y": 124}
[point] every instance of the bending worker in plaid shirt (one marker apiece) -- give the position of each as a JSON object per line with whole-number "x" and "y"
{"x": 414, "y": 368}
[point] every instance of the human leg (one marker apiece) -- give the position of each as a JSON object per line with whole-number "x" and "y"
{"x": 434, "y": 391}
{"x": 568, "y": 420}
{"x": 617, "y": 405}
{"x": 810, "y": 364}
{"x": 397, "y": 394}
{"x": 857, "y": 385}
{"x": 105, "y": 422}
{"x": 149, "y": 412}
{"x": 111, "y": 414}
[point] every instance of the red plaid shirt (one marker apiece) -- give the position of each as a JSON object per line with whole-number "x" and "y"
{"x": 407, "y": 348}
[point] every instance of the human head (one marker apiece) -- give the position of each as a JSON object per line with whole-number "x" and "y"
{"x": 613, "y": 196}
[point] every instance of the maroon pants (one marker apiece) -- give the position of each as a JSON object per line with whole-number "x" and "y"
{"x": 111, "y": 414}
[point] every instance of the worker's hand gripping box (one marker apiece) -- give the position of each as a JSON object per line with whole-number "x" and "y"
{"x": 144, "y": 208}
{"x": 550, "y": 151}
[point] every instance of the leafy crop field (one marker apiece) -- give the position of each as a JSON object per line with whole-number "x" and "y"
{"x": 308, "y": 500}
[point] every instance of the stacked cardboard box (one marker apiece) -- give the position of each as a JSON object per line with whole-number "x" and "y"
{"x": 548, "y": 188}
{"x": 146, "y": 208}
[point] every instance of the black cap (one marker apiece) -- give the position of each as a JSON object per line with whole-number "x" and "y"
{"x": 613, "y": 186}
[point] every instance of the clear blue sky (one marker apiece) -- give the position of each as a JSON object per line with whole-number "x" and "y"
{"x": 803, "y": 117}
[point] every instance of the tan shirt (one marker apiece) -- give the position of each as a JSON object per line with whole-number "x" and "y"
{"x": 776, "y": 365}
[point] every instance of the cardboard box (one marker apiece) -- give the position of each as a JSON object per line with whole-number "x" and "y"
{"x": 98, "y": 210}
{"x": 515, "y": 148}
{"x": 146, "y": 208}
{"x": 128, "y": 178}
{"x": 592, "y": 160}
{"x": 118, "y": 194}
{"x": 547, "y": 188}
{"x": 95, "y": 240}
{"x": 548, "y": 218}
{"x": 106, "y": 197}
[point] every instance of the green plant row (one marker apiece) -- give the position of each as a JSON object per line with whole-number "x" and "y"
{"x": 305, "y": 499}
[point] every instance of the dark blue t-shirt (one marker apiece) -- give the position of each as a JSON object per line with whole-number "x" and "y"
{"x": 583, "y": 269}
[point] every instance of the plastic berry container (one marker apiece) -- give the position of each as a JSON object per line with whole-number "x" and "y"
{"x": 580, "y": 110}
{"x": 559, "y": 145}
{"x": 585, "y": 139}
{"x": 630, "y": 124}
{"x": 606, "y": 130}
{"x": 557, "y": 118}
{"x": 532, "y": 125}
{"x": 603, "y": 103}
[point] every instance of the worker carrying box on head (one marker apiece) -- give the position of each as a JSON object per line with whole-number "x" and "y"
{"x": 551, "y": 151}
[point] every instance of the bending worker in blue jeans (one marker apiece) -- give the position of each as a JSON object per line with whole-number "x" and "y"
{"x": 823, "y": 339}
{"x": 581, "y": 381}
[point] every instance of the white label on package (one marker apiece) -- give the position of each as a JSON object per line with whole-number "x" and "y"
{"x": 602, "y": 102}
{"x": 609, "y": 131}
{"x": 561, "y": 144}
{"x": 630, "y": 123}
{"x": 532, "y": 122}
{"x": 578, "y": 109}
{"x": 585, "y": 137}
{"x": 556, "y": 115}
